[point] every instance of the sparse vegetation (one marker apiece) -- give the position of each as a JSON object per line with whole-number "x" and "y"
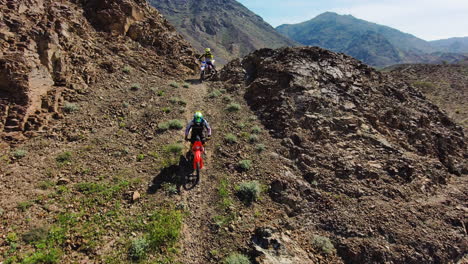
{"x": 19, "y": 153}
{"x": 127, "y": 70}
{"x": 135, "y": 86}
{"x": 249, "y": 192}
{"x": 230, "y": 138}
{"x": 140, "y": 157}
{"x": 170, "y": 188}
{"x": 70, "y": 107}
{"x": 245, "y": 165}
{"x": 24, "y": 206}
{"x": 64, "y": 157}
{"x": 260, "y": 148}
{"x": 256, "y": 130}
{"x": 164, "y": 228}
{"x": 323, "y": 244}
{"x": 175, "y": 149}
{"x": 138, "y": 249}
{"x": 233, "y": 107}
{"x": 174, "y": 85}
{"x": 166, "y": 110}
{"x": 163, "y": 126}
{"x": 223, "y": 192}
{"x": 237, "y": 258}
{"x": 160, "y": 93}
{"x": 186, "y": 85}
{"x": 214, "y": 94}
{"x": 172, "y": 124}
{"x": 177, "y": 100}
{"x": 253, "y": 138}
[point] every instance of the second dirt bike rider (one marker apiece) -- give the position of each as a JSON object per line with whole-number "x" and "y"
{"x": 209, "y": 58}
{"x": 198, "y": 126}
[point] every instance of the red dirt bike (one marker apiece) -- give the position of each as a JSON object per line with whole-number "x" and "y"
{"x": 207, "y": 71}
{"x": 197, "y": 150}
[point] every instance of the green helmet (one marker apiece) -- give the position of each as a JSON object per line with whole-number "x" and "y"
{"x": 198, "y": 117}
{"x": 207, "y": 50}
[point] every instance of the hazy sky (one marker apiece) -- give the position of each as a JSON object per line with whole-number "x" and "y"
{"x": 426, "y": 19}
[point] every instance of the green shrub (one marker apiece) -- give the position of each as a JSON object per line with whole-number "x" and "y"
{"x": 135, "y": 87}
{"x": 249, "y": 192}
{"x": 19, "y": 153}
{"x": 175, "y": 124}
{"x": 214, "y": 94}
{"x": 160, "y": 93}
{"x": 140, "y": 157}
{"x": 237, "y": 258}
{"x": 260, "y": 148}
{"x": 227, "y": 98}
{"x": 256, "y": 130}
{"x": 253, "y": 138}
{"x": 35, "y": 235}
{"x": 163, "y": 126}
{"x": 51, "y": 256}
{"x": 175, "y": 149}
{"x": 24, "y": 206}
{"x": 245, "y": 164}
{"x": 177, "y": 100}
{"x": 70, "y": 107}
{"x": 138, "y": 249}
{"x": 174, "y": 85}
{"x": 127, "y": 69}
{"x": 164, "y": 228}
{"x": 186, "y": 85}
{"x": 323, "y": 244}
{"x": 64, "y": 157}
{"x": 170, "y": 188}
{"x": 230, "y": 138}
{"x": 166, "y": 110}
{"x": 233, "y": 107}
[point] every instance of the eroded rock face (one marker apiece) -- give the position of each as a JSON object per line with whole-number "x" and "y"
{"x": 52, "y": 49}
{"x": 383, "y": 169}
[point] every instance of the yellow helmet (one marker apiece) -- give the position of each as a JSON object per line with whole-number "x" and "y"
{"x": 207, "y": 50}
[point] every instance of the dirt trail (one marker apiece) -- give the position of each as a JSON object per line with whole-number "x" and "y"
{"x": 199, "y": 200}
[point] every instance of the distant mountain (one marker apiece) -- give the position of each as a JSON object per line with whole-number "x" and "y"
{"x": 374, "y": 44}
{"x": 226, "y": 26}
{"x": 459, "y": 45}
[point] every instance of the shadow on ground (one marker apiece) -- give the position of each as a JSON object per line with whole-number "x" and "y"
{"x": 181, "y": 175}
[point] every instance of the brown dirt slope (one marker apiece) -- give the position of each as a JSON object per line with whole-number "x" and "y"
{"x": 445, "y": 85}
{"x": 50, "y": 49}
{"x": 373, "y": 165}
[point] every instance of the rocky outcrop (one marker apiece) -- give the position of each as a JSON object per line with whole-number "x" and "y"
{"x": 51, "y": 49}
{"x": 371, "y": 159}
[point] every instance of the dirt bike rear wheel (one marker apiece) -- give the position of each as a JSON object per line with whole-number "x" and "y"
{"x": 198, "y": 169}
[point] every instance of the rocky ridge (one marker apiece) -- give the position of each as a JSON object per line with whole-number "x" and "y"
{"x": 369, "y": 159}
{"x": 51, "y": 50}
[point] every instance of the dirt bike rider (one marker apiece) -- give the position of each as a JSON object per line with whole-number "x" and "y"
{"x": 197, "y": 125}
{"x": 208, "y": 58}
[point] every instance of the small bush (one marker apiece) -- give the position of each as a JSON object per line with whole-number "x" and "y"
{"x": 140, "y": 157}
{"x": 138, "y": 249}
{"x": 70, "y": 108}
{"x": 164, "y": 228}
{"x": 24, "y": 206}
{"x": 19, "y": 153}
{"x": 170, "y": 188}
{"x": 249, "y": 192}
{"x": 214, "y": 94}
{"x": 35, "y": 235}
{"x": 245, "y": 164}
{"x": 51, "y": 256}
{"x": 175, "y": 149}
{"x": 227, "y": 98}
{"x": 160, "y": 93}
{"x": 233, "y": 107}
{"x": 252, "y": 118}
{"x": 135, "y": 87}
{"x": 230, "y": 138}
{"x": 260, "y": 148}
{"x": 64, "y": 157}
{"x": 175, "y": 124}
{"x": 256, "y": 130}
{"x": 186, "y": 85}
{"x": 174, "y": 85}
{"x": 253, "y": 138}
{"x": 237, "y": 258}
{"x": 163, "y": 126}
{"x": 177, "y": 100}
{"x": 323, "y": 244}
{"x": 166, "y": 110}
{"x": 127, "y": 70}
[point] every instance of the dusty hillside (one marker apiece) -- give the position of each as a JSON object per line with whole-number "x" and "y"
{"x": 316, "y": 159}
{"x": 368, "y": 161}
{"x": 51, "y": 51}
{"x": 229, "y": 28}
{"x": 444, "y": 85}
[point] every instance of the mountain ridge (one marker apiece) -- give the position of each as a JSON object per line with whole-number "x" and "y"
{"x": 341, "y": 33}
